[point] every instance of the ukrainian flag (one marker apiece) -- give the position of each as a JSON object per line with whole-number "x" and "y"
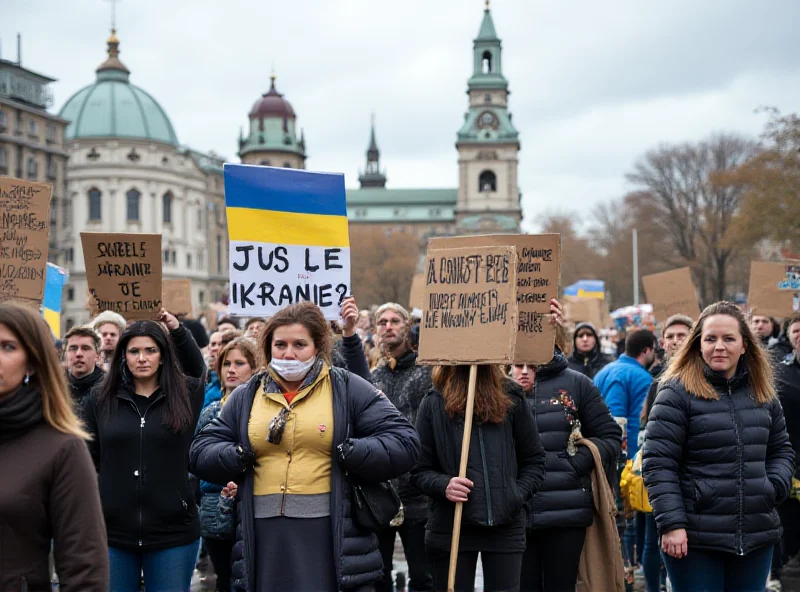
{"x": 54, "y": 282}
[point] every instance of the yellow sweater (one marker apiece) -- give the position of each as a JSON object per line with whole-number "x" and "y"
{"x": 293, "y": 478}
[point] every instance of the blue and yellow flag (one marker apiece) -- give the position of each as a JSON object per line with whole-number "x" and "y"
{"x": 52, "y": 301}
{"x": 289, "y": 239}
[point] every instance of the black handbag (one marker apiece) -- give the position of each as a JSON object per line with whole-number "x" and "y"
{"x": 375, "y": 506}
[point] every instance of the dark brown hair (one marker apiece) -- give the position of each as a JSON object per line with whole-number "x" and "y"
{"x": 688, "y": 366}
{"x": 491, "y": 401}
{"x": 243, "y": 345}
{"x": 307, "y": 314}
{"x": 83, "y": 332}
{"x": 34, "y": 337}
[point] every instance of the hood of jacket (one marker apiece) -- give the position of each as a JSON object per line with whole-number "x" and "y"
{"x": 555, "y": 366}
{"x": 583, "y": 357}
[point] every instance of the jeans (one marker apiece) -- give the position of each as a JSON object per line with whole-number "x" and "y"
{"x": 501, "y": 571}
{"x": 714, "y": 571}
{"x": 167, "y": 570}
{"x": 651, "y": 555}
{"x": 551, "y": 559}
{"x": 413, "y": 536}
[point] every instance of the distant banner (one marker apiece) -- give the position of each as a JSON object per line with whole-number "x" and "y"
{"x": 53, "y": 297}
{"x": 289, "y": 239}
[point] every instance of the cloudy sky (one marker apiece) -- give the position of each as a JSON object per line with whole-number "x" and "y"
{"x": 594, "y": 84}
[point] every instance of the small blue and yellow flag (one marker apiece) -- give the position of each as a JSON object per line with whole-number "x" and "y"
{"x": 55, "y": 279}
{"x": 289, "y": 239}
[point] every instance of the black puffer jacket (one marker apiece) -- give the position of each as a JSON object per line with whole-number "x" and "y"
{"x": 787, "y": 383}
{"x": 718, "y": 468}
{"x": 385, "y": 446}
{"x": 565, "y": 497}
{"x": 506, "y": 462}
{"x": 591, "y": 363}
{"x": 142, "y": 464}
{"x": 406, "y": 385}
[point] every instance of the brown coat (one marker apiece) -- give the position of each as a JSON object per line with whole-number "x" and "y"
{"x": 601, "y": 566}
{"x": 48, "y": 490}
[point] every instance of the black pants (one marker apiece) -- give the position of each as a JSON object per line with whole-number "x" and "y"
{"x": 413, "y": 536}
{"x": 551, "y": 559}
{"x": 220, "y": 554}
{"x": 500, "y": 570}
{"x": 789, "y": 511}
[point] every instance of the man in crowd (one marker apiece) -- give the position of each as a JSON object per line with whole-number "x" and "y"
{"x": 253, "y": 328}
{"x": 82, "y": 353}
{"x": 109, "y": 325}
{"x": 227, "y": 324}
{"x": 405, "y": 384}
{"x": 765, "y": 328}
{"x": 587, "y": 356}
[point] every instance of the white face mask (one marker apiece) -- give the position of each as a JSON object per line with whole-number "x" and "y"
{"x": 292, "y": 370}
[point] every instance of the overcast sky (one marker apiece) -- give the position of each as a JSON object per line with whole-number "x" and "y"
{"x": 594, "y": 84}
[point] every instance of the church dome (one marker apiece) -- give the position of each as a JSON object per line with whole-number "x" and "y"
{"x": 112, "y": 107}
{"x": 272, "y": 104}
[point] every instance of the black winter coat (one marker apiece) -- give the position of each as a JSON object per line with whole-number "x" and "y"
{"x": 385, "y": 446}
{"x": 80, "y": 387}
{"x": 406, "y": 385}
{"x": 565, "y": 497}
{"x": 718, "y": 468}
{"x": 506, "y": 462}
{"x": 788, "y": 386}
{"x": 591, "y": 363}
{"x": 142, "y": 464}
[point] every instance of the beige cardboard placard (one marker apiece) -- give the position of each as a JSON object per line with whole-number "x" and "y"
{"x": 211, "y": 318}
{"x": 176, "y": 296}
{"x": 24, "y": 238}
{"x": 538, "y": 276}
{"x": 416, "y": 298}
{"x": 769, "y": 294}
{"x": 586, "y": 310}
{"x": 124, "y": 273}
{"x": 671, "y": 292}
{"x": 470, "y": 308}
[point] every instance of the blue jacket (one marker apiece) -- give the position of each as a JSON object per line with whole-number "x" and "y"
{"x": 624, "y": 385}
{"x": 213, "y": 389}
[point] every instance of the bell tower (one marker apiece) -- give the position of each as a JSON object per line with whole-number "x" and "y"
{"x": 488, "y": 144}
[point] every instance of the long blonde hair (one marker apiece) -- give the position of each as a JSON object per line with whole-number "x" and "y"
{"x": 688, "y": 366}
{"x": 34, "y": 337}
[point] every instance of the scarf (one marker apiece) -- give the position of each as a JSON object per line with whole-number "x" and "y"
{"x": 80, "y": 387}
{"x": 19, "y": 412}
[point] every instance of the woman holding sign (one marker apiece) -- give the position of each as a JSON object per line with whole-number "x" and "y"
{"x": 142, "y": 421}
{"x": 291, "y": 438}
{"x": 717, "y": 458}
{"x": 505, "y": 468}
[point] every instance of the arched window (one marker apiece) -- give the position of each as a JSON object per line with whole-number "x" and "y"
{"x": 287, "y": 165}
{"x": 33, "y": 168}
{"x": 3, "y": 158}
{"x": 166, "y": 204}
{"x": 486, "y": 62}
{"x": 265, "y": 162}
{"x": 133, "y": 205}
{"x": 487, "y": 181}
{"x": 95, "y": 204}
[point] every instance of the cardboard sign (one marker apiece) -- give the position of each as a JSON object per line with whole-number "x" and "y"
{"x": 176, "y": 296}
{"x": 124, "y": 273}
{"x": 24, "y": 237}
{"x": 672, "y": 292}
{"x": 416, "y": 298}
{"x": 289, "y": 240}
{"x": 538, "y": 275}
{"x": 586, "y": 310}
{"x": 470, "y": 308}
{"x": 771, "y": 292}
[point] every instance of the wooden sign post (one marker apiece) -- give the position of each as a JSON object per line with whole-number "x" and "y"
{"x": 469, "y": 317}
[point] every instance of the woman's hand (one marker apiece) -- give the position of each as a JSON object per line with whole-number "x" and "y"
{"x": 169, "y": 320}
{"x": 230, "y": 489}
{"x": 675, "y": 544}
{"x": 349, "y": 316}
{"x": 556, "y": 314}
{"x": 458, "y": 489}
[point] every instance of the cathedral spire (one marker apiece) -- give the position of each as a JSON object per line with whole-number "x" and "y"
{"x": 373, "y": 176}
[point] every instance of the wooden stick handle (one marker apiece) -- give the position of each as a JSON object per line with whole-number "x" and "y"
{"x": 462, "y": 472}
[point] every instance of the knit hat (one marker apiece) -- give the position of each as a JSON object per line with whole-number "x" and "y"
{"x": 108, "y": 316}
{"x": 679, "y": 319}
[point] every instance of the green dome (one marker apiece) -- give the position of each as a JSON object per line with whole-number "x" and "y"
{"x": 112, "y": 107}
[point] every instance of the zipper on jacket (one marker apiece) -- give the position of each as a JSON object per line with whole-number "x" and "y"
{"x": 486, "y": 485}
{"x": 140, "y": 472}
{"x": 739, "y": 472}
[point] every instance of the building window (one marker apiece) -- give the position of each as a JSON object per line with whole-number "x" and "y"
{"x": 219, "y": 254}
{"x": 66, "y": 212}
{"x": 50, "y": 133}
{"x": 265, "y": 163}
{"x": 69, "y": 255}
{"x": 95, "y": 205}
{"x": 3, "y": 158}
{"x": 486, "y": 62}
{"x": 287, "y": 165}
{"x": 166, "y": 204}
{"x": 93, "y": 154}
{"x": 166, "y": 256}
{"x": 133, "y": 205}
{"x": 3, "y": 120}
{"x": 31, "y": 127}
{"x": 70, "y": 324}
{"x": 360, "y": 212}
{"x": 200, "y": 259}
{"x": 487, "y": 98}
{"x": 70, "y": 294}
{"x": 33, "y": 168}
{"x": 200, "y": 217}
{"x": 487, "y": 181}
{"x": 435, "y": 212}
{"x": 201, "y": 296}
{"x": 188, "y": 260}
{"x": 133, "y": 156}
{"x": 165, "y": 161}
{"x": 173, "y": 254}
{"x": 52, "y": 169}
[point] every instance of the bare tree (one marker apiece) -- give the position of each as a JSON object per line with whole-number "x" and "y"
{"x": 383, "y": 264}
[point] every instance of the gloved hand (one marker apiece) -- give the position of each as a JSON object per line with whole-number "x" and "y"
{"x": 344, "y": 449}
{"x": 247, "y": 458}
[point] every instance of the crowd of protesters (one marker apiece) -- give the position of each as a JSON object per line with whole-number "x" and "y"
{"x": 146, "y": 444}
